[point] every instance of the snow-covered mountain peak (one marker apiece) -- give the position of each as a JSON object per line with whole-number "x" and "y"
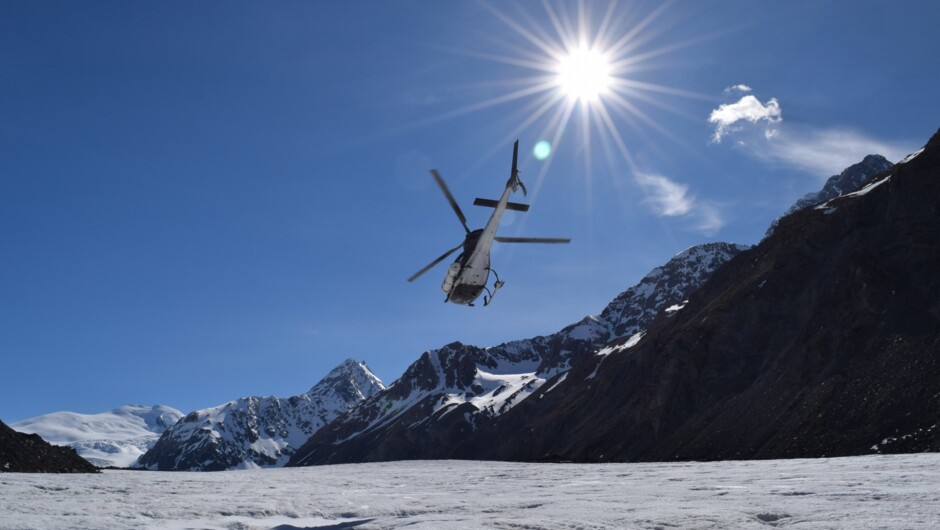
{"x": 704, "y": 251}
{"x": 130, "y": 421}
{"x": 632, "y": 310}
{"x": 114, "y": 438}
{"x": 351, "y": 380}
{"x": 260, "y": 431}
{"x": 157, "y": 418}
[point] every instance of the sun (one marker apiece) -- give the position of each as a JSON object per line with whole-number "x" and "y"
{"x": 578, "y": 65}
{"x": 584, "y": 75}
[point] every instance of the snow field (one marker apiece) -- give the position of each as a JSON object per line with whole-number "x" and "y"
{"x": 114, "y": 438}
{"x": 861, "y": 492}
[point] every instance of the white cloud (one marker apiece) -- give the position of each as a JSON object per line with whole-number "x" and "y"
{"x": 749, "y": 109}
{"x": 737, "y": 88}
{"x": 821, "y": 152}
{"x": 667, "y": 198}
{"x": 671, "y": 199}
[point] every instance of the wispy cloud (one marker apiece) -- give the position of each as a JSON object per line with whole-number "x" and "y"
{"x": 822, "y": 152}
{"x": 668, "y": 198}
{"x": 749, "y": 109}
{"x": 708, "y": 218}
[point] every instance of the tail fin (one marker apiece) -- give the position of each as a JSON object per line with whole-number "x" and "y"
{"x": 514, "y": 181}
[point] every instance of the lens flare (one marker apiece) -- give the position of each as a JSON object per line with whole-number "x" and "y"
{"x": 542, "y": 150}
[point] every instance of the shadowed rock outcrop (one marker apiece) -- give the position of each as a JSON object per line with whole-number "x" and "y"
{"x": 29, "y": 453}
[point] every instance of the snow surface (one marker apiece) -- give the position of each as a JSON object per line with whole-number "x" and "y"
{"x": 896, "y": 491}
{"x": 499, "y": 392}
{"x": 849, "y": 180}
{"x": 115, "y": 438}
{"x": 676, "y": 307}
{"x": 912, "y": 156}
{"x": 631, "y": 342}
{"x": 827, "y": 207}
{"x": 867, "y": 188}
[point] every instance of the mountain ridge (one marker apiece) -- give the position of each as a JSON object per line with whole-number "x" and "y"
{"x": 820, "y": 341}
{"x": 559, "y": 418}
{"x": 259, "y": 431}
{"x": 849, "y": 180}
{"x": 451, "y": 391}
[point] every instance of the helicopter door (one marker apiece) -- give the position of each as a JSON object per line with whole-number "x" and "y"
{"x": 451, "y": 277}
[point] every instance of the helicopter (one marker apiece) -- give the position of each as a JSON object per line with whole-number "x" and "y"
{"x": 468, "y": 275}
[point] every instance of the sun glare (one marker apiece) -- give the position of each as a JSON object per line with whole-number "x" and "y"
{"x": 577, "y": 65}
{"x": 584, "y": 75}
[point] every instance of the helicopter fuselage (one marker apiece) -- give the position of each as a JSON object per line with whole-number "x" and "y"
{"x": 474, "y": 263}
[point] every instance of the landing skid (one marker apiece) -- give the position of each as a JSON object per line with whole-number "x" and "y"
{"x": 496, "y": 287}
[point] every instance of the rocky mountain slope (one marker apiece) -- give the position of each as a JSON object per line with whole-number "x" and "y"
{"x": 451, "y": 391}
{"x": 116, "y": 438}
{"x": 259, "y": 431}
{"x": 29, "y": 453}
{"x": 848, "y": 181}
{"x": 821, "y": 341}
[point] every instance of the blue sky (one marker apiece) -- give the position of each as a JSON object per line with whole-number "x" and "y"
{"x": 201, "y": 201}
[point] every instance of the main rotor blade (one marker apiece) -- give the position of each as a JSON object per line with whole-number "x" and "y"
{"x": 450, "y": 199}
{"x": 532, "y": 239}
{"x": 433, "y": 263}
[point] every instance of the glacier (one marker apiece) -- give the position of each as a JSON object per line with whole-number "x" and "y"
{"x": 877, "y": 491}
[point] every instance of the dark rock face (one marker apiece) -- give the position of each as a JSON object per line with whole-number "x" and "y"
{"x": 824, "y": 340}
{"x": 448, "y": 394}
{"x": 821, "y": 341}
{"x": 259, "y": 431}
{"x": 28, "y": 453}
{"x": 851, "y": 179}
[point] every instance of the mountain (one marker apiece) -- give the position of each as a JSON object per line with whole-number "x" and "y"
{"x": 259, "y": 431}
{"x": 823, "y": 340}
{"x": 450, "y": 392}
{"x": 116, "y": 438}
{"x": 29, "y": 453}
{"x": 820, "y": 341}
{"x": 848, "y": 181}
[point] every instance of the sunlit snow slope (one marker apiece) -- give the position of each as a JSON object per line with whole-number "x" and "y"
{"x": 114, "y": 438}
